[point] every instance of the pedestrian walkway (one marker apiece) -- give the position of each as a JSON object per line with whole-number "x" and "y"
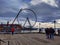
{"x": 28, "y": 39}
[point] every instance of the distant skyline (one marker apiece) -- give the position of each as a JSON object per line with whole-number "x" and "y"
{"x": 46, "y": 10}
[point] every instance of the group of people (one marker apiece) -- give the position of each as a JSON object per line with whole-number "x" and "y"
{"x": 50, "y": 33}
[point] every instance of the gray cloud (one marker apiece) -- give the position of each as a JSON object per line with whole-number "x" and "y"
{"x": 45, "y": 12}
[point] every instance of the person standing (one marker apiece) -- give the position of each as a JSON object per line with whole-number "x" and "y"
{"x": 12, "y": 30}
{"x": 52, "y": 31}
{"x": 58, "y": 32}
{"x": 47, "y": 33}
{"x": 39, "y": 30}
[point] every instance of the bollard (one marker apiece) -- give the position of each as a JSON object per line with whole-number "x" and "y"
{"x": 8, "y": 42}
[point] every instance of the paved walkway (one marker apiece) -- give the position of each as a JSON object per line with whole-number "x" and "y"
{"x": 28, "y": 39}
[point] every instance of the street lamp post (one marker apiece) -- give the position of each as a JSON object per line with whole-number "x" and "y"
{"x": 54, "y": 24}
{"x": 39, "y": 27}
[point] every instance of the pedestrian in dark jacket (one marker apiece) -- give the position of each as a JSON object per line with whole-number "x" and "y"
{"x": 52, "y": 31}
{"x": 58, "y": 32}
{"x": 47, "y": 32}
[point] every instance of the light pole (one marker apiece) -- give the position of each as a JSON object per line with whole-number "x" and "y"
{"x": 54, "y": 24}
{"x": 39, "y": 27}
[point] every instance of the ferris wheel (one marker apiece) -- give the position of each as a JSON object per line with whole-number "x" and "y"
{"x": 26, "y": 18}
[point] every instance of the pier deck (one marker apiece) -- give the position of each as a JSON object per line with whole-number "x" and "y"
{"x": 28, "y": 39}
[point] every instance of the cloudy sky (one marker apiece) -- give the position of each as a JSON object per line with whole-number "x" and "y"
{"x": 46, "y": 10}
